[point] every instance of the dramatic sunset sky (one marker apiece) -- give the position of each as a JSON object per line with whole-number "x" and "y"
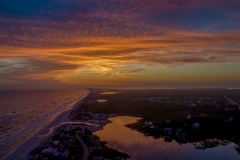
{"x": 119, "y": 43}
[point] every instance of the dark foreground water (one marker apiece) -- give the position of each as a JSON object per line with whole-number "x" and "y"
{"x": 140, "y": 147}
{"x": 23, "y": 113}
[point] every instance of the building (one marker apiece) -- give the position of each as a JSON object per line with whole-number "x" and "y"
{"x": 149, "y": 124}
{"x": 168, "y": 131}
{"x": 196, "y": 125}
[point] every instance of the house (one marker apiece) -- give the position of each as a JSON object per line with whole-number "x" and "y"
{"x": 97, "y": 158}
{"x": 63, "y": 134}
{"x": 189, "y": 117}
{"x": 229, "y": 119}
{"x": 149, "y": 124}
{"x": 196, "y": 125}
{"x": 168, "y": 121}
{"x": 167, "y": 139}
{"x": 80, "y": 132}
{"x": 178, "y": 132}
{"x": 55, "y": 143}
{"x": 97, "y": 154}
{"x": 182, "y": 136}
{"x": 50, "y": 151}
{"x": 168, "y": 131}
{"x": 192, "y": 105}
{"x": 64, "y": 154}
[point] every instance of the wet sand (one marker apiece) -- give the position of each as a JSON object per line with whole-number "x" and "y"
{"x": 22, "y": 151}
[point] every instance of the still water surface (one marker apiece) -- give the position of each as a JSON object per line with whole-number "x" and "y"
{"x": 108, "y": 93}
{"x": 138, "y": 146}
{"x": 101, "y": 100}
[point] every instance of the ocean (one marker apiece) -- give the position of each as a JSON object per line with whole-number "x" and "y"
{"x": 24, "y": 113}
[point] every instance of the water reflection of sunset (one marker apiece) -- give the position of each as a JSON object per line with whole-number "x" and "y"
{"x": 139, "y": 146}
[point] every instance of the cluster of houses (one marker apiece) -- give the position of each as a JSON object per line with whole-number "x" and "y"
{"x": 63, "y": 145}
{"x": 210, "y": 143}
{"x": 177, "y": 128}
{"x": 186, "y": 101}
{"x": 193, "y": 102}
{"x": 190, "y": 101}
{"x": 67, "y": 145}
{"x": 75, "y": 144}
{"x": 154, "y": 99}
{"x": 173, "y": 132}
{"x": 149, "y": 124}
{"x": 194, "y": 125}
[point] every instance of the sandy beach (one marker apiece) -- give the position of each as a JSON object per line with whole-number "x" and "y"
{"x": 22, "y": 151}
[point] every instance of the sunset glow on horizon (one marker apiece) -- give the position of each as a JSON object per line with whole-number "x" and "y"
{"x": 119, "y": 44}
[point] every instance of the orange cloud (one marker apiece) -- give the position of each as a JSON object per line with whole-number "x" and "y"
{"x": 112, "y": 42}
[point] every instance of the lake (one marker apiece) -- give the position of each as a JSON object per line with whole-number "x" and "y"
{"x": 108, "y": 92}
{"x": 101, "y": 100}
{"x": 138, "y": 146}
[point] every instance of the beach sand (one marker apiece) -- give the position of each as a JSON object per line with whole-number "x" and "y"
{"x": 22, "y": 151}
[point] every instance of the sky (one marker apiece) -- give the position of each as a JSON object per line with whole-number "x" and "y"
{"x": 119, "y": 44}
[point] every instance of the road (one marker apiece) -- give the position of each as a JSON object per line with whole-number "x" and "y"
{"x": 85, "y": 147}
{"x": 232, "y": 102}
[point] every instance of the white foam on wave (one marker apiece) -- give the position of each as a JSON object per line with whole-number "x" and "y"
{"x": 36, "y": 122}
{"x": 8, "y": 117}
{"x": 33, "y": 124}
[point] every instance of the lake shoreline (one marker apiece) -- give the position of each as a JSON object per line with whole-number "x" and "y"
{"x": 66, "y": 121}
{"x": 139, "y": 146}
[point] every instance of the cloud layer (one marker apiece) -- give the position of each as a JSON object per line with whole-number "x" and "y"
{"x": 67, "y": 41}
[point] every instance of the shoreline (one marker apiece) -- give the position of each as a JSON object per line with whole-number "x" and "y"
{"x": 32, "y": 142}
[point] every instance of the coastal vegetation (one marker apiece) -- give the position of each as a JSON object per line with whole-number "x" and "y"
{"x": 204, "y": 118}
{"x": 212, "y": 109}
